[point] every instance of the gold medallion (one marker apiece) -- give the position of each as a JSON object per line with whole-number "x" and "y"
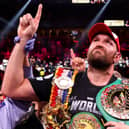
{"x": 64, "y": 82}
{"x": 85, "y": 120}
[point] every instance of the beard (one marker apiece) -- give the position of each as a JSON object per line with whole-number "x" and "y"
{"x": 100, "y": 62}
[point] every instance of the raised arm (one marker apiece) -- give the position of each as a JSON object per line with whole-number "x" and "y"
{"x": 14, "y": 84}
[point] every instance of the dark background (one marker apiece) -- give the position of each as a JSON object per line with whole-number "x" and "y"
{"x": 62, "y": 13}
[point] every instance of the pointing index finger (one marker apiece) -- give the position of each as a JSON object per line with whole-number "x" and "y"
{"x": 72, "y": 53}
{"x": 39, "y": 12}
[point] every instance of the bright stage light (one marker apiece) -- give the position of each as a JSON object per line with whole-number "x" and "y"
{"x": 12, "y": 23}
{"x": 98, "y": 1}
{"x": 80, "y": 1}
{"x": 114, "y": 22}
{"x": 89, "y": 1}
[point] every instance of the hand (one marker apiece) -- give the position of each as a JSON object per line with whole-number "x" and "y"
{"x": 116, "y": 125}
{"x": 77, "y": 62}
{"x": 29, "y": 25}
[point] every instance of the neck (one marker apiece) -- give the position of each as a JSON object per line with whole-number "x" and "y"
{"x": 100, "y": 77}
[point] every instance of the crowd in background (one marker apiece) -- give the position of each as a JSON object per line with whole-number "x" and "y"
{"x": 52, "y": 48}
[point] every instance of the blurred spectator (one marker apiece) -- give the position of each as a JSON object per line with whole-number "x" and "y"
{"x": 32, "y": 60}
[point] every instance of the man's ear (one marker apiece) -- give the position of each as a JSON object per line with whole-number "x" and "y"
{"x": 117, "y": 57}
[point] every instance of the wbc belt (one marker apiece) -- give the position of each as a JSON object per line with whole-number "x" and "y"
{"x": 84, "y": 120}
{"x": 113, "y": 101}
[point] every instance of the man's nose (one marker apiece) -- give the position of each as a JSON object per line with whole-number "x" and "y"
{"x": 100, "y": 43}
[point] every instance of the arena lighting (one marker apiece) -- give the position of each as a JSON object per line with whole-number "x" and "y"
{"x": 96, "y": 18}
{"x": 114, "y": 23}
{"x": 98, "y": 1}
{"x": 89, "y": 1}
{"x": 3, "y": 20}
{"x": 80, "y": 1}
{"x": 127, "y": 23}
{"x": 13, "y": 21}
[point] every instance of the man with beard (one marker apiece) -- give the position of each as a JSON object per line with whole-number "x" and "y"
{"x": 78, "y": 89}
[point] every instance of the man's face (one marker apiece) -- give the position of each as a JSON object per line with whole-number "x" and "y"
{"x": 101, "y": 51}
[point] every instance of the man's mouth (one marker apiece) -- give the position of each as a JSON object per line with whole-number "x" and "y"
{"x": 98, "y": 51}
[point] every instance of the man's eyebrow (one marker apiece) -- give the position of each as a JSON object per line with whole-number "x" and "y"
{"x": 96, "y": 36}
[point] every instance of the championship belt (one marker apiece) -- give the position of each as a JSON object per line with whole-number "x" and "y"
{"x": 55, "y": 114}
{"x": 84, "y": 120}
{"x": 113, "y": 101}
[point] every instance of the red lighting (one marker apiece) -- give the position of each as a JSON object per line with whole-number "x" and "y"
{"x": 97, "y": 1}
